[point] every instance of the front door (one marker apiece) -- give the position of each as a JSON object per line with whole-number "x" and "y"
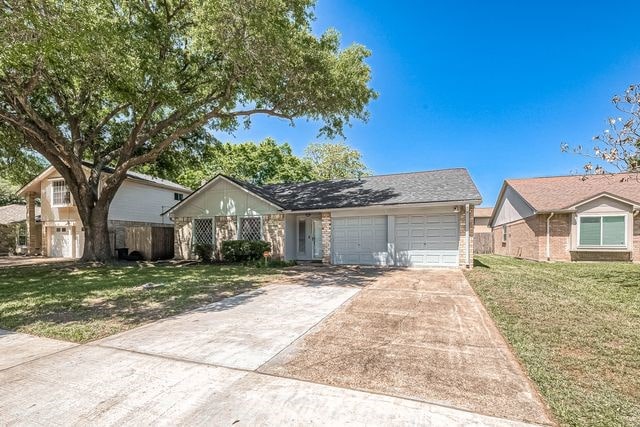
{"x": 309, "y": 238}
{"x": 61, "y": 242}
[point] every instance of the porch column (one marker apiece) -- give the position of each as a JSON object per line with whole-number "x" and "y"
{"x": 33, "y": 237}
{"x": 326, "y": 237}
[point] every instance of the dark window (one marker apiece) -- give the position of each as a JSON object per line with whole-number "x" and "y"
{"x": 178, "y": 196}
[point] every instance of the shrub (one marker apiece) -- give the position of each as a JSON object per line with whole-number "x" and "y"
{"x": 243, "y": 250}
{"x": 203, "y": 251}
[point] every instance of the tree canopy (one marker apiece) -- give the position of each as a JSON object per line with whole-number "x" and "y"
{"x": 617, "y": 149}
{"x": 120, "y": 82}
{"x": 335, "y": 160}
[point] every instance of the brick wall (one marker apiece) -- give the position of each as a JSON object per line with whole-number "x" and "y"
{"x": 523, "y": 239}
{"x": 226, "y": 229}
{"x": 182, "y": 241}
{"x": 559, "y": 237}
{"x": 273, "y": 232}
{"x": 527, "y": 238}
{"x": 34, "y": 232}
{"x": 462, "y": 243}
{"x": 326, "y": 237}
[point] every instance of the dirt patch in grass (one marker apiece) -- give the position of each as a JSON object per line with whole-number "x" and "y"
{"x": 575, "y": 327}
{"x": 82, "y": 303}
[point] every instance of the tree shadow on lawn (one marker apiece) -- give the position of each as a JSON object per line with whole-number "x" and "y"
{"x": 54, "y": 299}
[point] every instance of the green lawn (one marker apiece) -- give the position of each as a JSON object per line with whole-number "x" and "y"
{"x": 83, "y": 303}
{"x": 576, "y": 329}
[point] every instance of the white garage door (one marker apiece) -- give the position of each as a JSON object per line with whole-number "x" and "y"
{"x": 359, "y": 240}
{"x": 60, "y": 243}
{"x": 427, "y": 240}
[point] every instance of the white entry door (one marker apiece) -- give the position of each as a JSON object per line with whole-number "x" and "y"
{"x": 61, "y": 242}
{"x": 359, "y": 240}
{"x": 309, "y": 242}
{"x": 427, "y": 240}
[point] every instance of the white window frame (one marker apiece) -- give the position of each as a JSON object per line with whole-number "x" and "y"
{"x": 60, "y": 205}
{"x": 239, "y": 232}
{"x": 601, "y": 246}
{"x": 505, "y": 233}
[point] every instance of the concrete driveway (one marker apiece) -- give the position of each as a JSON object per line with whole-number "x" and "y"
{"x": 263, "y": 358}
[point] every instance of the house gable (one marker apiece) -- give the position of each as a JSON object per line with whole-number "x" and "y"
{"x": 511, "y": 207}
{"x": 223, "y": 197}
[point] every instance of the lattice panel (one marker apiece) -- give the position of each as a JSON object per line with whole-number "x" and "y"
{"x": 250, "y": 228}
{"x": 203, "y": 231}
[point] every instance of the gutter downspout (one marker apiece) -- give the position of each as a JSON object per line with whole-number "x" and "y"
{"x": 549, "y": 236}
{"x": 466, "y": 232}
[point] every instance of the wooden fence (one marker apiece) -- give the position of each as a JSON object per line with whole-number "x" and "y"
{"x": 152, "y": 242}
{"x": 483, "y": 243}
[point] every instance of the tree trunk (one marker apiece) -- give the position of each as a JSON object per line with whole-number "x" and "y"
{"x": 97, "y": 246}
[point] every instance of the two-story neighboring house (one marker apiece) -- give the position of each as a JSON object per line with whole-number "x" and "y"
{"x": 139, "y": 201}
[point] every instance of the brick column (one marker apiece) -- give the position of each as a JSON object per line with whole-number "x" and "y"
{"x": 33, "y": 239}
{"x": 462, "y": 243}
{"x": 326, "y": 237}
{"x": 273, "y": 232}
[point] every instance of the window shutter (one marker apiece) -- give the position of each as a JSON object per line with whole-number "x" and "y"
{"x": 613, "y": 230}
{"x": 590, "y": 231}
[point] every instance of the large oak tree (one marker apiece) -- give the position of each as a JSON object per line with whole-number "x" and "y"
{"x": 118, "y": 82}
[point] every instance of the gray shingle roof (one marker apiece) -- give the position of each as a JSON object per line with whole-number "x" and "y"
{"x": 446, "y": 185}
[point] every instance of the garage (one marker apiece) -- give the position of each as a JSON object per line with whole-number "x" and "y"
{"x": 426, "y": 240}
{"x": 360, "y": 240}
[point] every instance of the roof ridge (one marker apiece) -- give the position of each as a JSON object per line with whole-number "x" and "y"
{"x": 572, "y": 175}
{"x": 364, "y": 177}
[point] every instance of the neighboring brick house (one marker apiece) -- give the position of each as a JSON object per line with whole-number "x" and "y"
{"x": 482, "y": 233}
{"x": 569, "y": 218}
{"x": 412, "y": 219}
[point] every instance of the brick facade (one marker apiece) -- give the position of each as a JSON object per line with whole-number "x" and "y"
{"x": 35, "y": 241}
{"x": 326, "y": 237}
{"x": 462, "y": 243}
{"x": 527, "y": 238}
{"x": 226, "y": 228}
{"x": 183, "y": 229}
{"x": 273, "y": 232}
{"x": 635, "y": 256}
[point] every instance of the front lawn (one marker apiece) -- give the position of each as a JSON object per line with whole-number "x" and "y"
{"x": 83, "y": 303}
{"x": 576, "y": 329}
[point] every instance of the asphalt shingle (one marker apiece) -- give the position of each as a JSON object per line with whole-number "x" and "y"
{"x": 446, "y": 185}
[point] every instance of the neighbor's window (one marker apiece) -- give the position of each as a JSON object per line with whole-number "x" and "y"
{"x": 22, "y": 236}
{"x": 504, "y": 233}
{"x": 602, "y": 231}
{"x": 178, "y": 196}
{"x": 61, "y": 195}
{"x": 250, "y": 228}
{"x": 203, "y": 231}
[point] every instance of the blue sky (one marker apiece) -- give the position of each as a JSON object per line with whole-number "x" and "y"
{"x": 491, "y": 86}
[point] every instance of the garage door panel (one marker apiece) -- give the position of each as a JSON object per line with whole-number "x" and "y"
{"x": 427, "y": 240}
{"x": 365, "y": 240}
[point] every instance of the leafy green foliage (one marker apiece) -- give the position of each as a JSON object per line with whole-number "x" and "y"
{"x": 8, "y": 193}
{"x": 335, "y": 160}
{"x": 243, "y": 250}
{"x": 120, "y": 82}
{"x": 203, "y": 251}
{"x": 258, "y": 163}
{"x": 18, "y": 164}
